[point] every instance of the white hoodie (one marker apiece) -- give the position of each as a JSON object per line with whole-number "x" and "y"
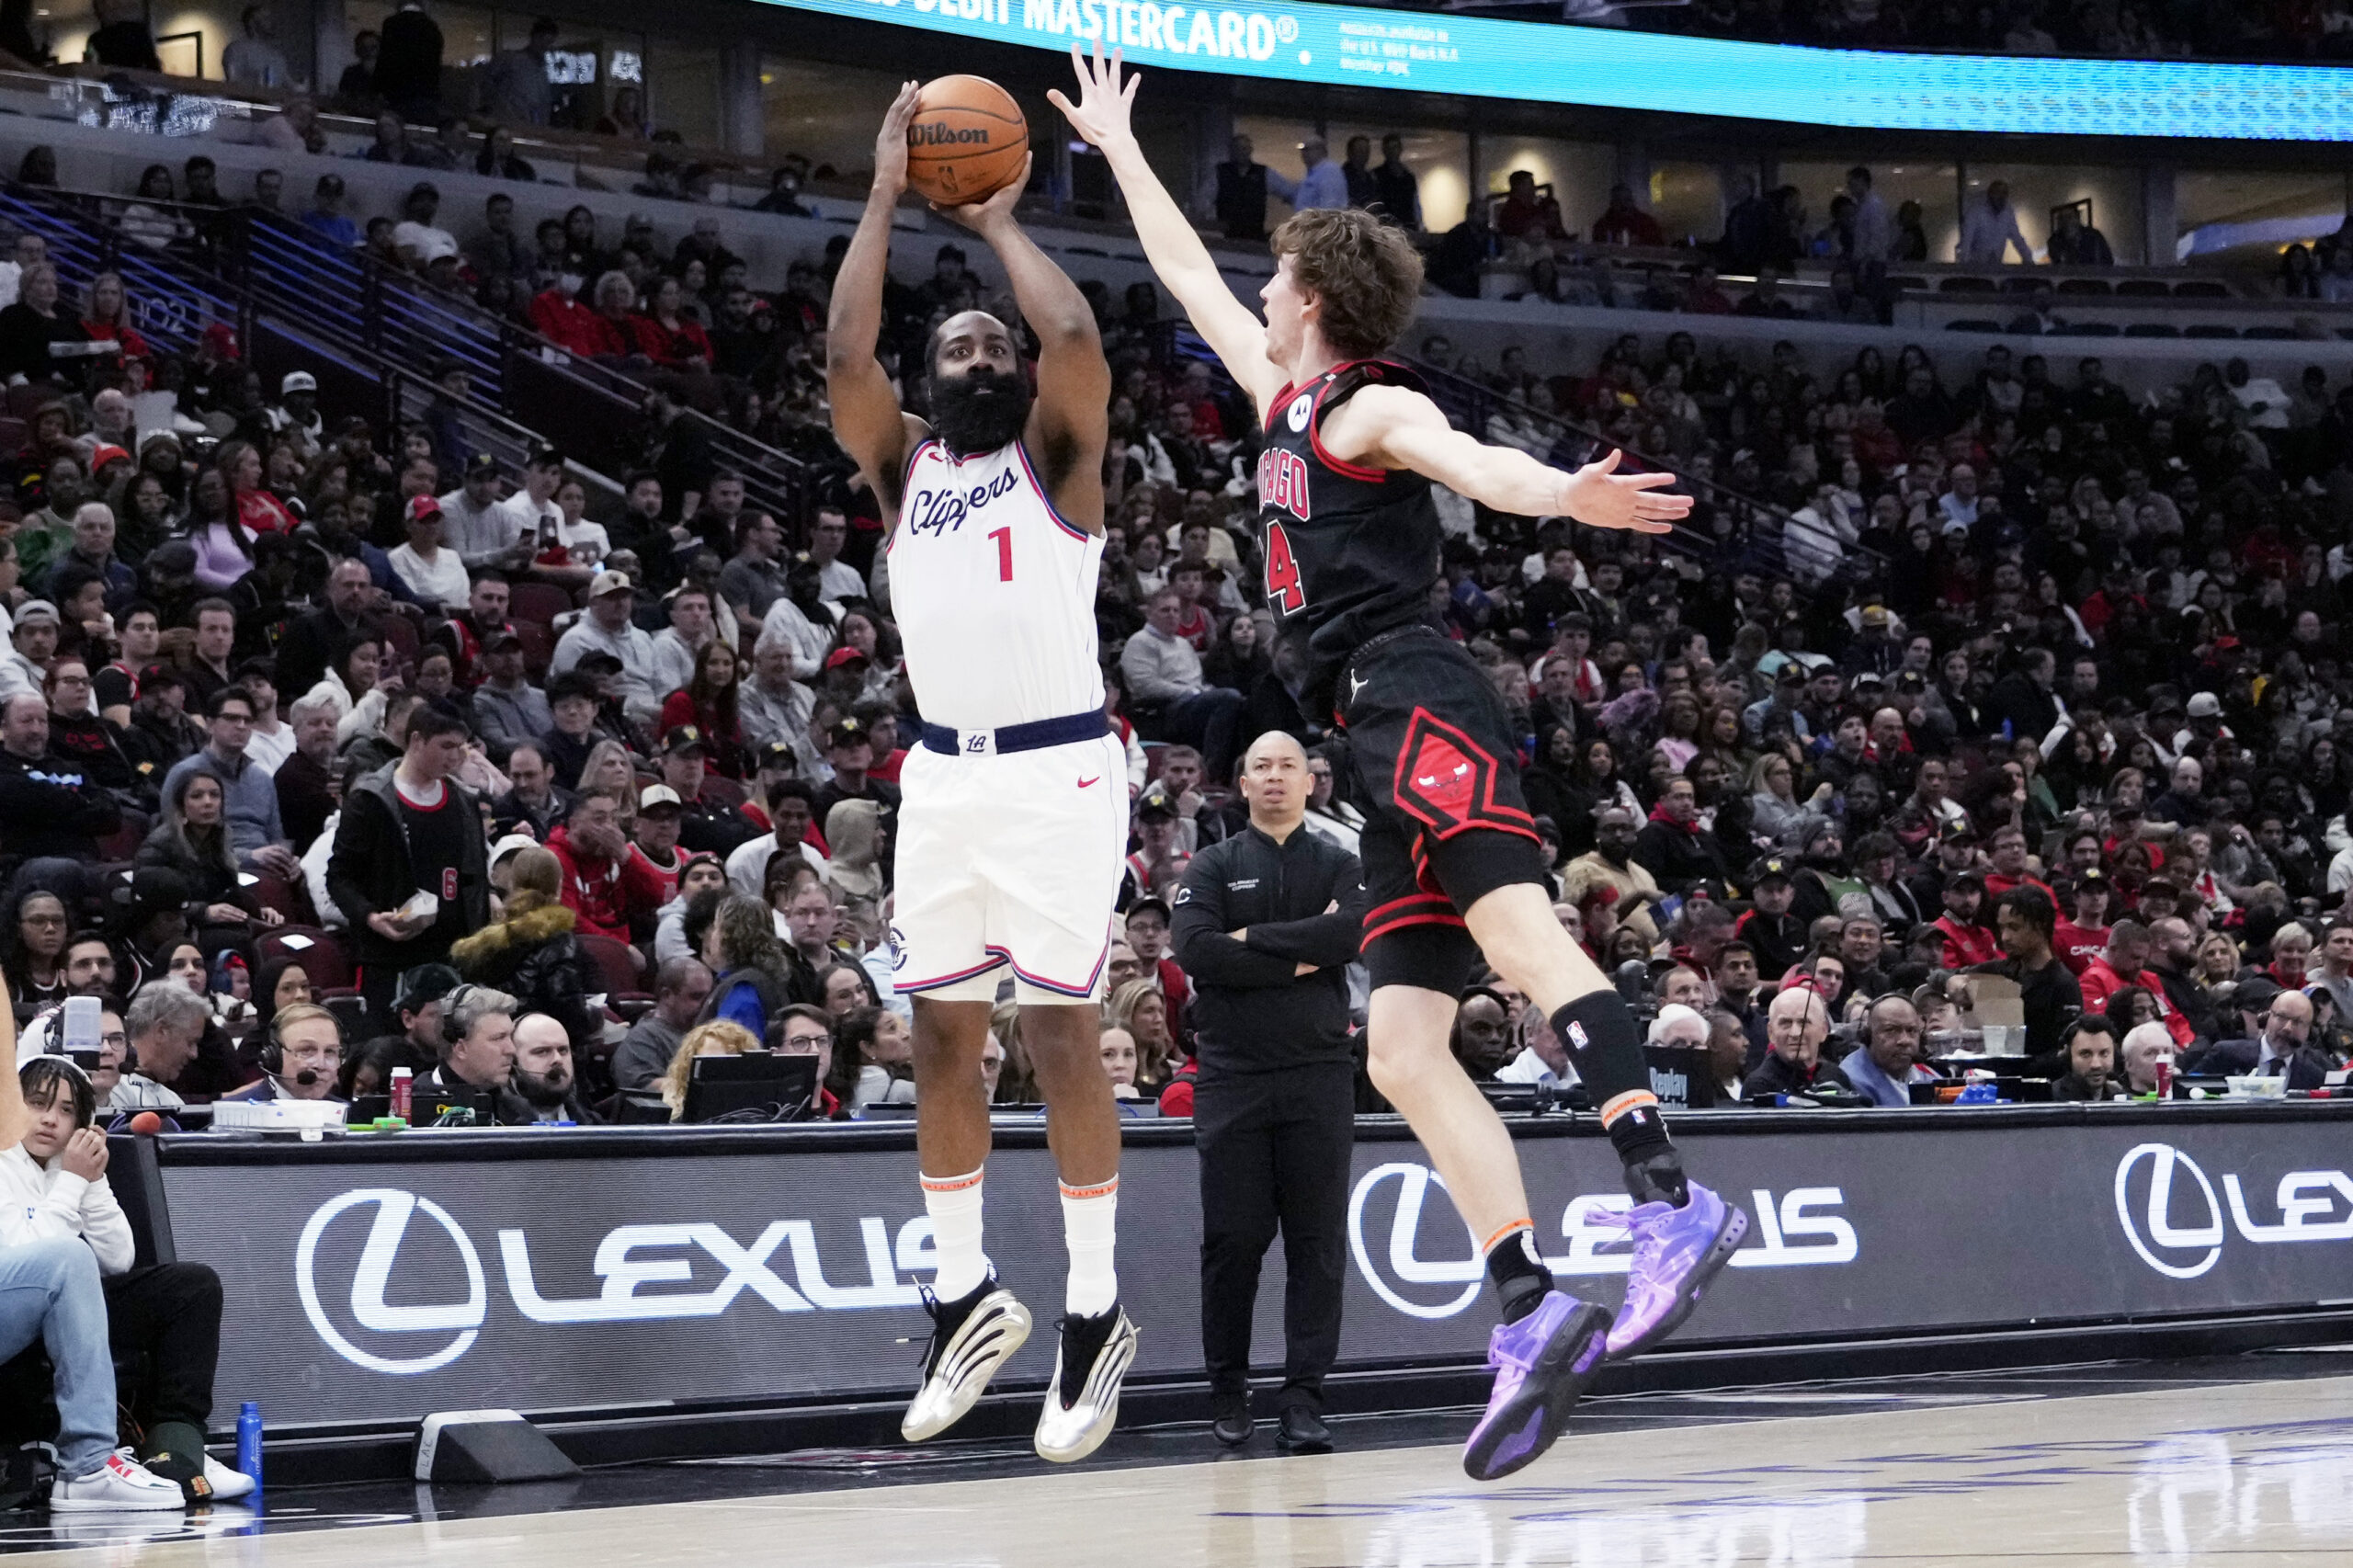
{"x": 47, "y": 1202}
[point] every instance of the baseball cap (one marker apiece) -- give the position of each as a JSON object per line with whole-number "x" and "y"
{"x": 297, "y": 381}
{"x": 2256, "y": 992}
{"x": 105, "y": 453}
{"x": 509, "y": 845}
{"x": 1154, "y": 802}
{"x": 482, "y": 462}
{"x": 36, "y": 609}
{"x": 1971, "y": 879}
{"x": 846, "y": 732}
{"x": 428, "y": 982}
{"x": 683, "y": 737}
{"x": 1911, "y": 680}
{"x": 1772, "y": 871}
{"x": 2093, "y": 877}
{"x": 2205, "y": 705}
{"x": 2158, "y": 887}
{"x": 608, "y": 582}
{"x": 1149, "y": 900}
{"x": 1869, "y": 677}
{"x": 659, "y": 796}
{"x": 422, "y": 507}
{"x": 504, "y": 637}
{"x": 777, "y": 756}
{"x": 841, "y": 656}
{"x": 1875, "y": 615}
{"x": 1790, "y": 674}
{"x": 1959, "y": 831}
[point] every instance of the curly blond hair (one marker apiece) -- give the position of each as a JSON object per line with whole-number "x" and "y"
{"x": 713, "y": 1038}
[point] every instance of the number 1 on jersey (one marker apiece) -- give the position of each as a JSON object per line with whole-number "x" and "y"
{"x": 1284, "y": 589}
{"x": 1004, "y": 538}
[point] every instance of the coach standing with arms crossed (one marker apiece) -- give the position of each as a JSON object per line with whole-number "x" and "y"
{"x": 1265, "y": 924}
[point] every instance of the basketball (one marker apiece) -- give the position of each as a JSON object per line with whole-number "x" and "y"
{"x": 968, "y": 140}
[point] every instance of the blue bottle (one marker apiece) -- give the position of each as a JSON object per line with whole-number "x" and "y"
{"x": 249, "y": 1441}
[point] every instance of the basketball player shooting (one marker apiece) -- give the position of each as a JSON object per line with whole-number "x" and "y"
{"x": 1014, "y": 816}
{"x": 1353, "y": 444}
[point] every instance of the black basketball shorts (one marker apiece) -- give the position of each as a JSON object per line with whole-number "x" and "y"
{"x": 1433, "y": 766}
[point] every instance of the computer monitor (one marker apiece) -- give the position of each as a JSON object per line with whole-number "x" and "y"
{"x": 758, "y": 1085}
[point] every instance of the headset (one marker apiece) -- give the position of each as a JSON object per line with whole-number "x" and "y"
{"x": 458, "y": 996}
{"x": 273, "y": 1057}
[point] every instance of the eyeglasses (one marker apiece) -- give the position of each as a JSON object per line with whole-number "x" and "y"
{"x": 116, "y": 1037}
{"x": 804, "y": 1044}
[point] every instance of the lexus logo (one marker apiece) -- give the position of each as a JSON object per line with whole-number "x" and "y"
{"x": 1791, "y": 1230}
{"x": 2177, "y": 1222}
{"x": 2185, "y": 1252}
{"x": 639, "y": 1269}
{"x": 369, "y": 1311}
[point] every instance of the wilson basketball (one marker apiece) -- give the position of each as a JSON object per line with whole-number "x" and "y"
{"x": 967, "y": 142}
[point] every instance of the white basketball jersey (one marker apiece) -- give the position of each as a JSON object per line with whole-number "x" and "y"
{"x": 994, "y": 593}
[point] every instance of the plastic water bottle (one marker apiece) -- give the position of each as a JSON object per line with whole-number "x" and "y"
{"x": 249, "y": 1441}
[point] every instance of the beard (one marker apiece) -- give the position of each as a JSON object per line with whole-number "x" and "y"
{"x": 979, "y": 412}
{"x": 544, "y": 1090}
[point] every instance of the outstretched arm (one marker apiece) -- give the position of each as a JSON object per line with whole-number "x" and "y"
{"x": 867, "y": 420}
{"x": 1072, "y": 414}
{"x": 1392, "y": 428}
{"x": 1177, "y": 255}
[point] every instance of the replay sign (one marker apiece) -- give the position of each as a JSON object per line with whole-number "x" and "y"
{"x": 776, "y": 1271}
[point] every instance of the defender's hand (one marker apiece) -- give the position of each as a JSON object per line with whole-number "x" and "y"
{"x": 1104, "y": 98}
{"x": 890, "y": 143}
{"x": 1599, "y": 496}
{"x": 980, "y": 217}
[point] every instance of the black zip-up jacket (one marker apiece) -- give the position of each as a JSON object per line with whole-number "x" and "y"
{"x": 1252, "y": 1011}
{"x": 52, "y": 807}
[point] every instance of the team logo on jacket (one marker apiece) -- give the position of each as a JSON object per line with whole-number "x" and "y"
{"x": 1282, "y": 482}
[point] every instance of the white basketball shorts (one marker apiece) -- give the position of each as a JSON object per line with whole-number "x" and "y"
{"x": 1009, "y": 860}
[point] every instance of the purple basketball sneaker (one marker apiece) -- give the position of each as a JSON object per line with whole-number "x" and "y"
{"x": 1543, "y": 1363}
{"x": 1676, "y": 1253}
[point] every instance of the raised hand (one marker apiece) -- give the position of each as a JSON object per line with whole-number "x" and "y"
{"x": 891, "y": 141}
{"x": 1602, "y": 497}
{"x": 1104, "y": 98}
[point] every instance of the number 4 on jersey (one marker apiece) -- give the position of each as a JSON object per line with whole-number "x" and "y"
{"x": 1284, "y": 589}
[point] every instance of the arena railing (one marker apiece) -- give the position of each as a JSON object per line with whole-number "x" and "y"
{"x": 583, "y": 404}
{"x": 372, "y": 312}
{"x": 175, "y": 293}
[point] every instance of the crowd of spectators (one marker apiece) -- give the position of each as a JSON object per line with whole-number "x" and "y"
{"x": 1918, "y": 633}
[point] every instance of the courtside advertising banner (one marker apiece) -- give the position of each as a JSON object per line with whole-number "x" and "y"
{"x": 769, "y": 1266}
{"x": 1618, "y": 68}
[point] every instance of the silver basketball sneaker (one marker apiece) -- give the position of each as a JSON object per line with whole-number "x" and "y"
{"x": 971, "y": 1338}
{"x": 1083, "y": 1401}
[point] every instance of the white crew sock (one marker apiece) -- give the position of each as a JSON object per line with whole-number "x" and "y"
{"x": 1091, "y": 1229}
{"x": 954, "y": 1205}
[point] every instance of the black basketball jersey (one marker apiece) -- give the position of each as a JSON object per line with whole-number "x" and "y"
{"x": 1350, "y": 551}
